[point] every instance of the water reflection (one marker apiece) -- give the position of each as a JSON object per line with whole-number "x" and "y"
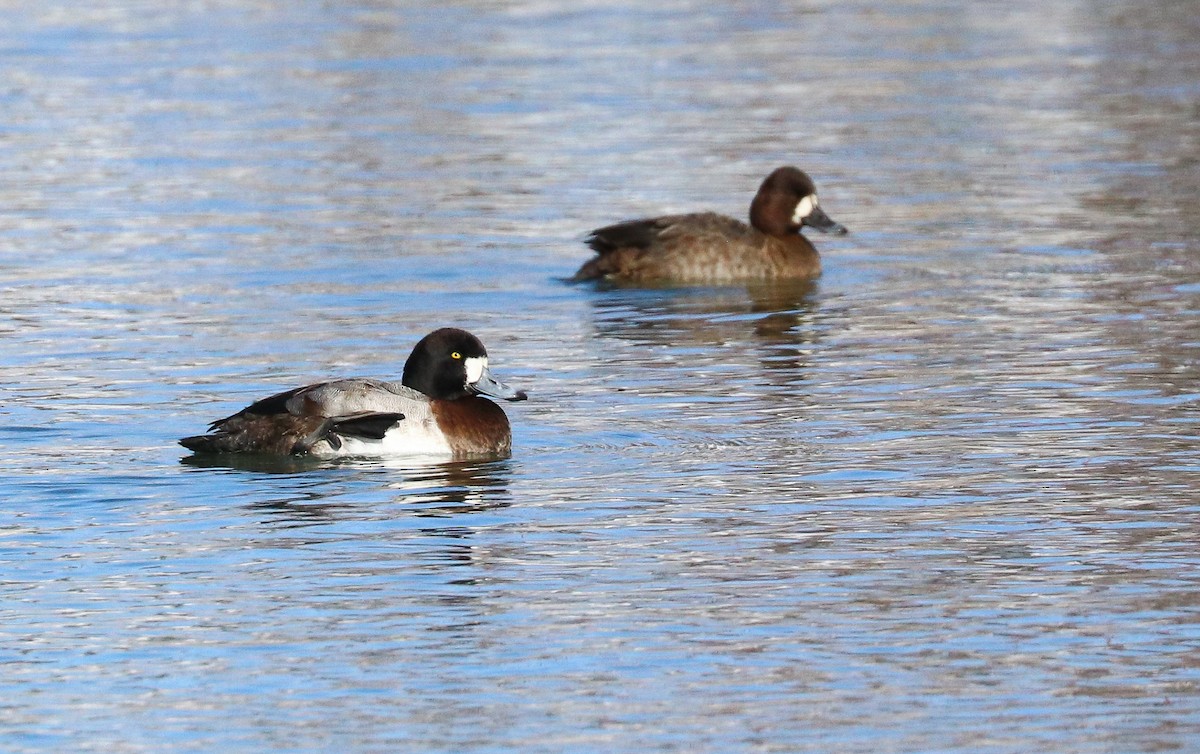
{"x": 774, "y": 321}
{"x": 422, "y": 490}
{"x": 451, "y": 489}
{"x": 1145, "y": 216}
{"x": 325, "y": 490}
{"x": 259, "y": 463}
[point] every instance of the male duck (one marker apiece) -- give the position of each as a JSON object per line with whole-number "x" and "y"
{"x": 706, "y": 247}
{"x": 435, "y": 409}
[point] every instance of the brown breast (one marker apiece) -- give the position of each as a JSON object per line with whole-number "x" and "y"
{"x": 474, "y": 426}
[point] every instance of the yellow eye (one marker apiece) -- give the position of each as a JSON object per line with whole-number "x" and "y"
{"x": 456, "y": 355}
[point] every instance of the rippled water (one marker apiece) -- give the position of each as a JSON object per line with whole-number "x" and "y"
{"x": 942, "y": 500}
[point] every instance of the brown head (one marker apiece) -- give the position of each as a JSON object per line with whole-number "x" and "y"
{"x": 786, "y": 201}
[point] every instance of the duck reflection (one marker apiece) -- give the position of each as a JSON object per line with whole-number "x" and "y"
{"x": 259, "y": 463}
{"x": 453, "y": 488}
{"x": 428, "y": 489}
{"x": 774, "y": 321}
{"x": 1148, "y": 208}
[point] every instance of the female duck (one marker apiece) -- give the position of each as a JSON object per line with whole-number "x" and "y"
{"x": 435, "y": 409}
{"x": 706, "y": 247}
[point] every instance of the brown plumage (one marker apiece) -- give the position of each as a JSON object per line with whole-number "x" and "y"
{"x": 288, "y": 434}
{"x": 474, "y": 426}
{"x": 706, "y": 247}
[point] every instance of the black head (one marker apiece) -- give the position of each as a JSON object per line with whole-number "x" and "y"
{"x": 449, "y": 363}
{"x": 787, "y": 201}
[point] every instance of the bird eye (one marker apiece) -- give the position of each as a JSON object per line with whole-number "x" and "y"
{"x": 456, "y": 355}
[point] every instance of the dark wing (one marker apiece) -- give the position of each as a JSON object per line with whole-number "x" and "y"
{"x": 281, "y": 433}
{"x": 660, "y": 247}
{"x": 623, "y": 248}
{"x": 631, "y": 234}
{"x": 276, "y": 404}
{"x": 366, "y": 426}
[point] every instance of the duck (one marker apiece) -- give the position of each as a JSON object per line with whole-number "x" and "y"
{"x": 438, "y": 408}
{"x": 707, "y": 247}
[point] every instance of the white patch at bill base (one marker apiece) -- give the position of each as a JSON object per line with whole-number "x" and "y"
{"x": 475, "y": 366}
{"x": 804, "y": 208}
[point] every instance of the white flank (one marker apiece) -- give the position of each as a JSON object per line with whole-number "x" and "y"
{"x": 407, "y": 438}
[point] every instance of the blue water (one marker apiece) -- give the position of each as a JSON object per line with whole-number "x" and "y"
{"x": 942, "y": 500}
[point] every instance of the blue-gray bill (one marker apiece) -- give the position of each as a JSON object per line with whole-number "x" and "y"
{"x": 494, "y": 388}
{"x": 818, "y": 220}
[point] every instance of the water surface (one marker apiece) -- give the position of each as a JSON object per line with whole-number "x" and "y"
{"x": 941, "y": 500}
